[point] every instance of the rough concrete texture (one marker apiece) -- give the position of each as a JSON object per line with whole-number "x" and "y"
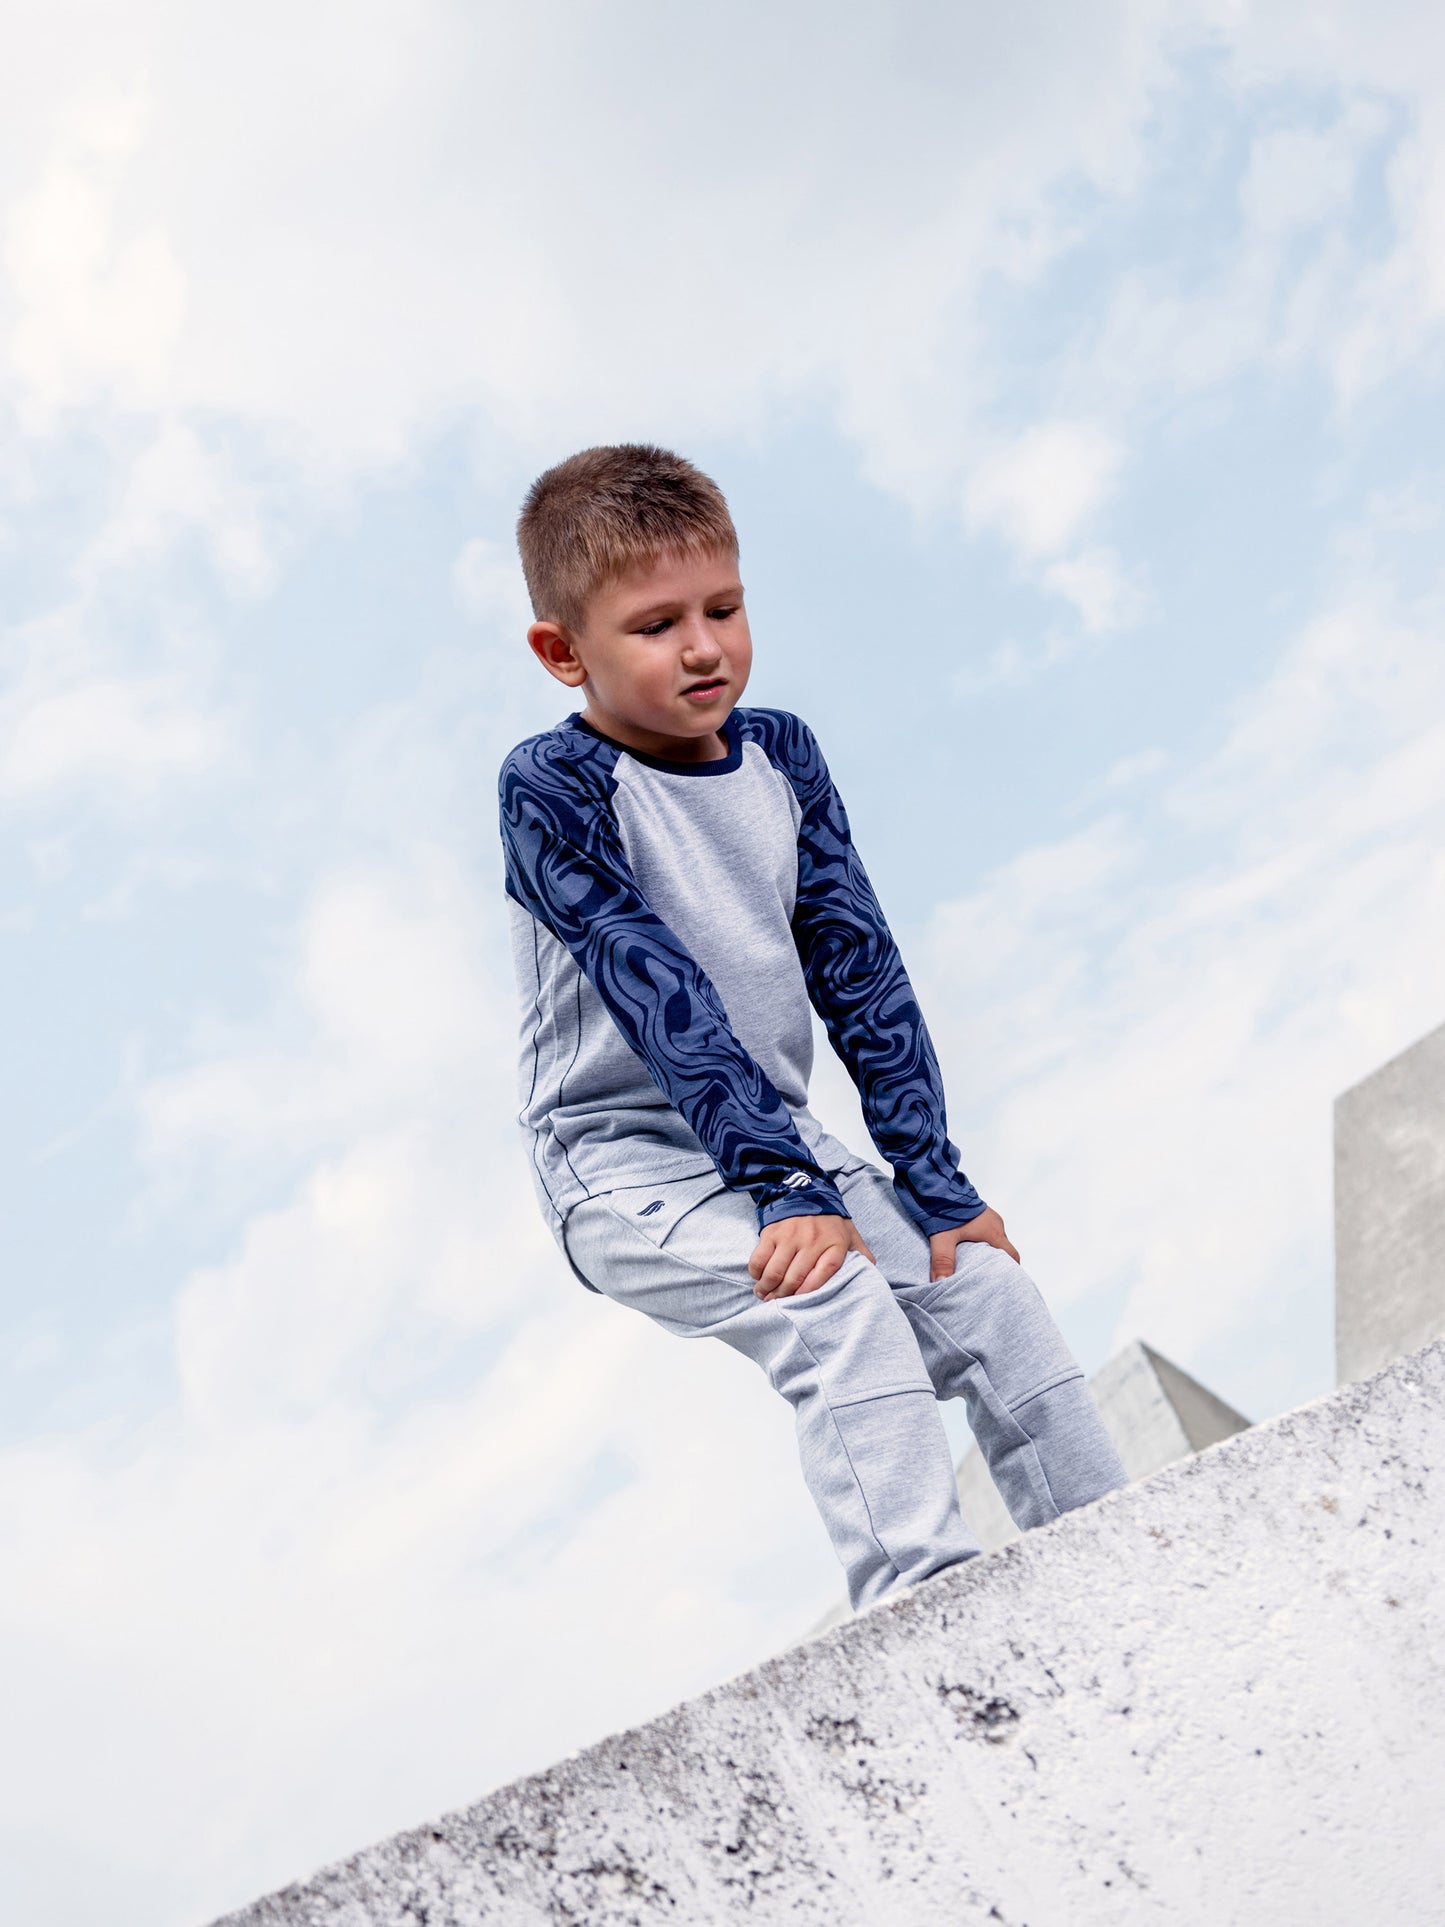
{"x": 1390, "y": 1210}
{"x": 1154, "y": 1412}
{"x": 1216, "y": 1697}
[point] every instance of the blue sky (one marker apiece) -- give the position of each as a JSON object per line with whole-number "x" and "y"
{"x": 1075, "y": 381}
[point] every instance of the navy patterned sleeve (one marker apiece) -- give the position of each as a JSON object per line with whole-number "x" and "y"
{"x": 566, "y": 865}
{"x": 860, "y": 989}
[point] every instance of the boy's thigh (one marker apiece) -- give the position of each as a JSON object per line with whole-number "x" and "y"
{"x": 678, "y": 1251}
{"x": 990, "y": 1306}
{"x": 685, "y": 1263}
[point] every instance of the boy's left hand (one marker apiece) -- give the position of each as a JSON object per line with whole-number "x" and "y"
{"x": 985, "y": 1229}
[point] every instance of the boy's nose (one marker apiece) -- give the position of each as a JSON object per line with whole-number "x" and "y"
{"x": 701, "y": 648}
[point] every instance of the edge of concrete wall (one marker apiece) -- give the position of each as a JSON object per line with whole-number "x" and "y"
{"x": 1214, "y": 1695}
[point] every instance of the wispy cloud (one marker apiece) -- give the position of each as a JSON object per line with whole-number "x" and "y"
{"x": 1103, "y": 593}
{"x": 384, "y": 1437}
{"x": 73, "y": 716}
{"x": 1145, "y": 1030}
{"x": 1041, "y": 489}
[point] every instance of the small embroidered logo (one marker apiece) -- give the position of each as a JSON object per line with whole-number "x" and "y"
{"x": 796, "y": 1181}
{"x": 648, "y": 1209}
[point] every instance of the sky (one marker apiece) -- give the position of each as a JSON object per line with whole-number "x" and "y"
{"x": 1074, "y": 376}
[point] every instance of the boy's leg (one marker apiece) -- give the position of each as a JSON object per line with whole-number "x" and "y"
{"x": 987, "y": 1337}
{"x": 873, "y": 1449}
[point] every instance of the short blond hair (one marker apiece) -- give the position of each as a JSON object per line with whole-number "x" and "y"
{"x": 603, "y": 511}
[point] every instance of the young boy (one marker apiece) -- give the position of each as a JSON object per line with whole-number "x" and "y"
{"x": 682, "y": 886}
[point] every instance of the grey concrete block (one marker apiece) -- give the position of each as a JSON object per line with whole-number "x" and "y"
{"x": 1390, "y": 1210}
{"x": 1154, "y": 1412}
{"x": 1215, "y": 1696}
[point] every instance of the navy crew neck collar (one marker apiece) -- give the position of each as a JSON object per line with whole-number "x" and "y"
{"x": 718, "y": 766}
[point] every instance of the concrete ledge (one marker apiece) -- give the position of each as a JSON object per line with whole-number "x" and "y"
{"x": 1215, "y": 1697}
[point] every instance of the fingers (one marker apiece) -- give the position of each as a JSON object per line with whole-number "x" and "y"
{"x": 804, "y": 1259}
{"x": 776, "y": 1268}
{"x": 828, "y": 1262}
{"x": 856, "y": 1244}
{"x": 1000, "y": 1242}
{"x": 986, "y": 1229}
{"x": 775, "y": 1257}
{"x": 999, "y": 1238}
{"x": 801, "y": 1263}
{"x": 809, "y": 1269}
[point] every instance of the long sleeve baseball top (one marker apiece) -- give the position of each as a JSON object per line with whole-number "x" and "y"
{"x": 671, "y": 925}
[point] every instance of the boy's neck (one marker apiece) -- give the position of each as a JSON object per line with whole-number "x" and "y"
{"x": 710, "y": 748}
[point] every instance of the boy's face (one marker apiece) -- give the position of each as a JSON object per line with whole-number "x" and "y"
{"x": 663, "y": 654}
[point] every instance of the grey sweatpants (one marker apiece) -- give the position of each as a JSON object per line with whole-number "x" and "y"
{"x": 862, "y": 1360}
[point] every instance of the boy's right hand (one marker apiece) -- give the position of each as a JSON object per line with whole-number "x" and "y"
{"x": 795, "y": 1255}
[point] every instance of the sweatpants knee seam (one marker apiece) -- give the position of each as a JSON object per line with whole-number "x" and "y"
{"x": 1048, "y": 1483}
{"x": 882, "y": 1391}
{"x": 848, "y": 1459}
{"x": 1049, "y": 1385}
{"x": 976, "y": 1363}
{"x": 1034, "y": 1455}
{"x": 862, "y": 1494}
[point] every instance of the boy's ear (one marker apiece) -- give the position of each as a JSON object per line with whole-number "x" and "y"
{"x": 552, "y": 647}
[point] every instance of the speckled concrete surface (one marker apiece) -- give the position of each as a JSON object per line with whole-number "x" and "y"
{"x": 1215, "y": 1697}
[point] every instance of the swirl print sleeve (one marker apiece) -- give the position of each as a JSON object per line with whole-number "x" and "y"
{"x": 566, "y": 865}
{"x": 860, "y": 989}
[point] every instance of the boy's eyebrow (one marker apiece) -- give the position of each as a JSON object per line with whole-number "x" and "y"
{"x": 648, "y": 611}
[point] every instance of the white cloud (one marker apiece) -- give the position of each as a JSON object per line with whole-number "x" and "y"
{"x": 1146, "y": 1043}
{"x": 1041, "y": 489}
{"x": 1335, "y": 264}
{"x": 1103, "y": 593}
{"x": 100, "y": 306}
{"x": 83, "y": 713}
{"x": 487, "y": 581}
{"x": 1137, "y": 768}
{"x": 1308, "y": 177}
{"x": 397, "y": 1449}
{"x": 384, "y": 257}
{"x": 401, "y": 1440}
{"x": 390, "y": 982}
{"x": 176, "y": 484}
{"x": 1013, "y": 664}
{"x": 129, "y": 734}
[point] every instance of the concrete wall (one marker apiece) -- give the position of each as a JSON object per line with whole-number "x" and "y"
{"x": 1390, "y": 1210}
{"x": 1212, "y": 1699}
{"x": 1154, "y": 1412}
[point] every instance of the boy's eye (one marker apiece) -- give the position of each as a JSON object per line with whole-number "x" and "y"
{"x": 721, "y": 614}
{"x": 656, "y": 628}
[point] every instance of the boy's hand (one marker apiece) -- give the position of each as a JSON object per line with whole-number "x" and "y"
{"x": 985, "y": 1229}
{"x": 795, "y": 1255}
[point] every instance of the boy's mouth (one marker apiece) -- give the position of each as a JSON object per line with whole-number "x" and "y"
{"x": 701, "y": 692}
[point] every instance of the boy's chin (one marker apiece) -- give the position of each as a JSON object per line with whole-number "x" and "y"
{"x": 692, "y": 723}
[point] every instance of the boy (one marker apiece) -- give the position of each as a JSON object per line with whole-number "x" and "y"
{"x": 682, "y": 884}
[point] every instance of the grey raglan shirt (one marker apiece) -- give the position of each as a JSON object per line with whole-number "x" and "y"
{"x": 671, "y": 925}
